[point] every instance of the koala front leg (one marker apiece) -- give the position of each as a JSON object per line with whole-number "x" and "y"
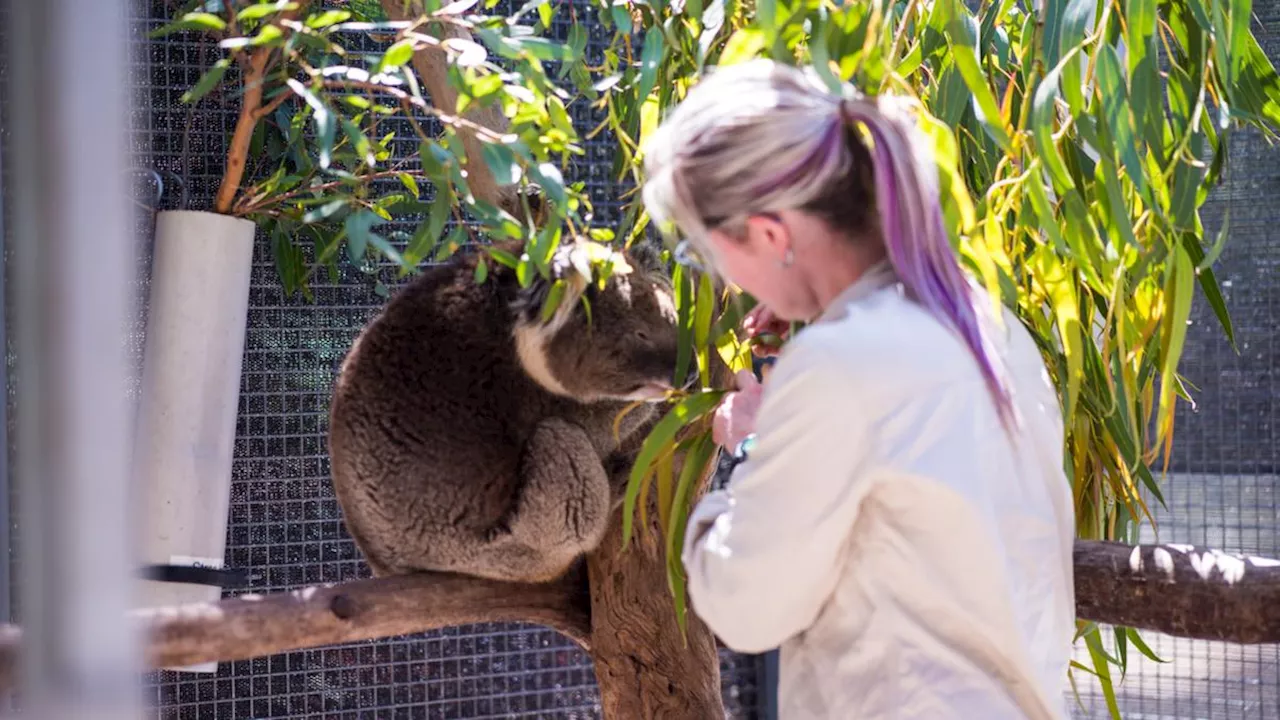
{"x": 563, "y": 508}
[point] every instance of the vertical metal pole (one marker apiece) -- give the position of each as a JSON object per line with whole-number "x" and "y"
{"x": 73, "y": 263}
{"x": 6, "y": 549}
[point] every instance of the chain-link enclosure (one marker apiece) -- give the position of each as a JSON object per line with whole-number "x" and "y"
{"x": 286, "y": 527}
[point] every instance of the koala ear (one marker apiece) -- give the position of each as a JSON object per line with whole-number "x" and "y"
{"x": 529, "y": 301}
{"x": 647, "y": 254}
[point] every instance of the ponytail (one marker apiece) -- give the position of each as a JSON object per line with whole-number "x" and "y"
{"x": 916, "y": 242}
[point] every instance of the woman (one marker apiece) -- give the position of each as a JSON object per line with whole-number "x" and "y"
{"x": 901, "y": 524}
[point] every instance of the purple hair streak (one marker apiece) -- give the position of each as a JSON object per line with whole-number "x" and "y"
{"x": 915, "y": 239}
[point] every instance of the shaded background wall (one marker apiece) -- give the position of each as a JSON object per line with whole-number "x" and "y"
{"x": 286, "y": 527}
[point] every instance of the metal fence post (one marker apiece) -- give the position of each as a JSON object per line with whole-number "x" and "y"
{"x": 73, "y": 261}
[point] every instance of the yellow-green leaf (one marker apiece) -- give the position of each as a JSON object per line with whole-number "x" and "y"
{"x": 688, "y": 410}
{"x": 1178, "y": 291}
{"x": 1060, "y": 286}
{"x": 743, "y": 45}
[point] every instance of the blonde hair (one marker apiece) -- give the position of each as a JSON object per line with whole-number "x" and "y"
{"x": 762, "y": 136}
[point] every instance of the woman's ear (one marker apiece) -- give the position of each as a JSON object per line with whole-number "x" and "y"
{"x": 769, "y": 236}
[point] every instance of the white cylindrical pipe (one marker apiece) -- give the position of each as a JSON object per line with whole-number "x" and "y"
{"x": 190, "y": 389}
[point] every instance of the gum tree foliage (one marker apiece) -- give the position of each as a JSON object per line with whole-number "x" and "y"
{"x": 1076, "y": 141}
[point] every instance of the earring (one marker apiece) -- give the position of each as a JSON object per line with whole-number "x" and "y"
{"x": 789, "y": 258}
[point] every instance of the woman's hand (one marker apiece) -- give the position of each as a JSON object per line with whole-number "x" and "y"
{"x": 760, "y": 321}
{"x": 736, "y": 417}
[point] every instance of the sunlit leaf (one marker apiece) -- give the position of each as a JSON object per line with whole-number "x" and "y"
{"x": 208, "y": 81}
{"x": 683, "y": 413}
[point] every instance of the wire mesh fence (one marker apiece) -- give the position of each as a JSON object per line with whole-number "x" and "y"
{"x": 286, "y": 527}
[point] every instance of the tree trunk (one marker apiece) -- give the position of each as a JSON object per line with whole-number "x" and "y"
{"x": 643, "y": 667}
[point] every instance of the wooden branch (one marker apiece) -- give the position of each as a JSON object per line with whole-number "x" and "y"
{"x": 238, "y": 152}
{"x": 250, "y": 626}
{"x": 251, "y": 111}
{"x": 432, "y": 67}
{"x": 1172, "y": 589}
{"x": 1179, "y": 590}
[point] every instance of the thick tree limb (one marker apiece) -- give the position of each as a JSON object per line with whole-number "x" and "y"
{"x": 251, "y": 626}
{"x": 1173, "y": 589}
{"x": 432, "y": 66}
{"x": 1179, "y": 590}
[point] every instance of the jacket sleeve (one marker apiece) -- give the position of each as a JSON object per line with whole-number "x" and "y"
{"x": 763, "y": 555}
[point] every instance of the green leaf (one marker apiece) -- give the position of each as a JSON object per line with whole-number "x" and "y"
{"x": 694, "y": 467}
{"x": 964, "y": 53}
{"x": 190, "y": 21}
{"x": 359, "y": 141}
{"x": 1142, "y": 646}
{"x": 543, "y": 49}
{"x": 686, "y": 411}
{"x": 684, "y": 322}
{"x": 1178, "y": 291}
{"x": 1209, "y": 285}
{"x": 621, "y": 17}
{"x": 502, "y": 163}
{"x": 268, "y": 35}
{"x": 1060, "y": 285}
{"x": 743, "y": 45}
{"x": 554, "y": 297}
{"x": 261, "y": 10}
{"x": 767, "y": 16}
{"x": 327, "y": 18}
{"x": 326, "y": 125}
{"x": 1115, "y": 109}
{"x": 324, "y": 211}
{"x": 503, "y": 257}
{"x": 702, "y": 310}
{"x": 388, "y": 251}
{"x": 358, "y": 226}
{"x": 208, "y": 81}
{"x": 1043, "y": 115}
{"x": 398, "y": 54}
{"x": 549, "y": 178}
{"x": 650, "y": 56}
{"x": 409, "y": 183}
{"x": 1240, "y": 35}
{"x": 1099, "y": 656}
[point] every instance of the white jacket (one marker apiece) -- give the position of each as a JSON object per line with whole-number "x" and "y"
{"x": 911, "y": 561}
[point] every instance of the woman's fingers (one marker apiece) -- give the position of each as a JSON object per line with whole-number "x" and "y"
{"x": 766, "y": 331}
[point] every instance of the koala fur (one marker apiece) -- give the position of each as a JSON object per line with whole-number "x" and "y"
{"x": 468, "y": 436}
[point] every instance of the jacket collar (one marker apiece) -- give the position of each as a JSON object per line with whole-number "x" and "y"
{"x": 877, "y": 277}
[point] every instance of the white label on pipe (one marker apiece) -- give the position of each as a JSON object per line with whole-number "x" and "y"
{"x": 197, "y": 562}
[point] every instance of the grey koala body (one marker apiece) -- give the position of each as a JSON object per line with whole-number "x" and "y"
{"x": 469, "y": 436}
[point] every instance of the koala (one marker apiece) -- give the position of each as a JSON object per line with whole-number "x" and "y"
{"x": 467, "y": 435}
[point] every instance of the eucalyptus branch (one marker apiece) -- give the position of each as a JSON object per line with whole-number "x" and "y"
{"x": 419, "y": 103}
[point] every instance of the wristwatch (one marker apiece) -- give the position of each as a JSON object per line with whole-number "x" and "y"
{"x": 728, "y": 461}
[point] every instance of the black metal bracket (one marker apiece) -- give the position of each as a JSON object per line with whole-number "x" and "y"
{"x": 187, "y": 574}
